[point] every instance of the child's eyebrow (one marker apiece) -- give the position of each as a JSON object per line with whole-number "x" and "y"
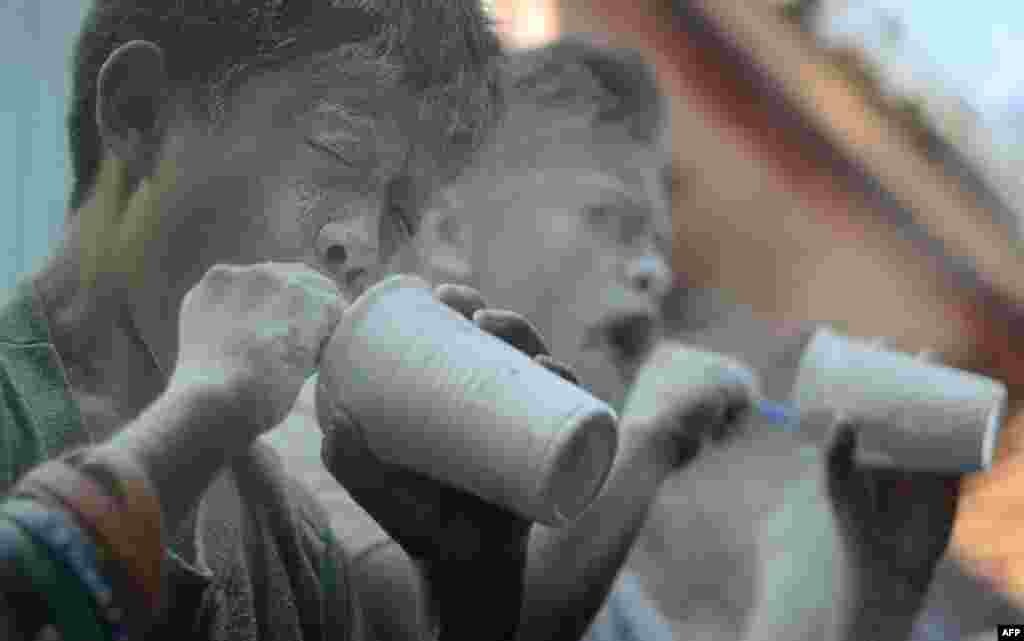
{"x": 663, "y": 241}
{"x": 674, "y": 179}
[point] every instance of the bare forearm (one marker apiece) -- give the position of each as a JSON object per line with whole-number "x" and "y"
{"x": 885, "y": 607}
{"x": 570, "y": 571}
{"x": 182, "y": 441}
{"x": 406, "y": 599}
{"x": 489, "y": 588}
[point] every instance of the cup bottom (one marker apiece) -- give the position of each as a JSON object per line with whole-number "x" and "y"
{"x": 582, "y": 466}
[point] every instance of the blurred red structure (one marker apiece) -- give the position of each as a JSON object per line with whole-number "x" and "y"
{"x": 809, "y": 202}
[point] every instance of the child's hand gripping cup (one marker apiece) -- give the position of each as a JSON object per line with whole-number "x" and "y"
{"x": 916, "y": 415}
{"x": 699, "y": 388}
{"x": 431, "y": 391}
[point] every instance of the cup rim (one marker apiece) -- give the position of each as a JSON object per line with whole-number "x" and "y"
{"x": 992, "y": 430}
{"x": 357, "y": 309}
{"x": 603, "y": 425}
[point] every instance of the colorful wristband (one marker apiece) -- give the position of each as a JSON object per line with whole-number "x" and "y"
{"x": 66, "y": 542}
{"x": 63, "y": 538}
{"x": 70, "y": 606}
{"x": 126, "y": 479}
{"x": 123, "y": 527}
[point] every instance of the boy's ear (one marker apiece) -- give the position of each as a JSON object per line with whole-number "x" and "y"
{"x": 131, "y": 104}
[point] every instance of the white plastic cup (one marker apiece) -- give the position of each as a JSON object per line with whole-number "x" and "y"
{"x": 916, "y": 415}
{"x": 431, "y": 391}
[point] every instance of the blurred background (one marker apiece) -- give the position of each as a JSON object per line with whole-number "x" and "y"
{"x": 35, "y": 42}
{"x": 862, "y": 157}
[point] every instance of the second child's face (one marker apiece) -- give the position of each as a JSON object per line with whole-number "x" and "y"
{"x": 575, "y": 242}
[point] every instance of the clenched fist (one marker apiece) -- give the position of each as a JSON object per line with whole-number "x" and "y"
{"x": 256, "y": 331}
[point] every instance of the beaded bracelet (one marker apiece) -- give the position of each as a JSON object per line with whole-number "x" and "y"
{"x": 123, "y": 528}
{"x": 125, "y": 479}
{"x": 66, "y": 542}
{"x": 70, "y": 607}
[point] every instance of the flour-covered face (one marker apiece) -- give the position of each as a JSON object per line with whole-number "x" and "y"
{"x": 316, "y": 163}
{"x": 573, "y": 238}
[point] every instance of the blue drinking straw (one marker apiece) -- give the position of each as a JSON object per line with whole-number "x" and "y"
{"x": 781, "y": 414}
{"x": 778, "y": 413}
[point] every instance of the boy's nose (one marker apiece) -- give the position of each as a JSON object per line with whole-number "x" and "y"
{"x": 648, "y": 274}
{"x": 349, "y": 251}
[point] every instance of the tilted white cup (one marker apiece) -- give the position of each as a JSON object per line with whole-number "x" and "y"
{"x": 431, "y": 391}
{"x": 916, "y": 415}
